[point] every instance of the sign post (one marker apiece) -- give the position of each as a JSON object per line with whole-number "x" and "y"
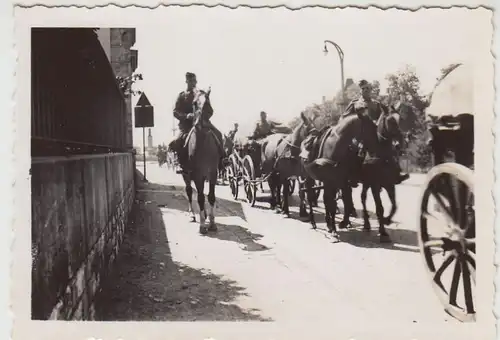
{"x": 144, "y": 118}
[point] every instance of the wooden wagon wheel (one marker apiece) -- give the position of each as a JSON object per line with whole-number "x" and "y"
{"x": 451, "y": 186}
{"x": 249, "y": 185}
{"x": 233, "y": 181}
{"x": 233, "y": 176}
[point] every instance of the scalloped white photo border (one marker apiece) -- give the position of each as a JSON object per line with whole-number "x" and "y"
{"x": 14, "y": 182}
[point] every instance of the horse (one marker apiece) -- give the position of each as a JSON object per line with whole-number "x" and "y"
{"x": 388, "y": 133}
{"x": 310, "y": 188}
{"x": 337, "y": 157}
{"x": 204, "y": 159}
{"x": 280, "y": 159}
{"x": 375, "y": 172}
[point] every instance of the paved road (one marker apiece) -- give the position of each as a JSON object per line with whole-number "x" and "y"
{"x": 263, "y": 266}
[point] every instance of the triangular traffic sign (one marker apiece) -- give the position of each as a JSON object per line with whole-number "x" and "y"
{"x": 143, "y": 100}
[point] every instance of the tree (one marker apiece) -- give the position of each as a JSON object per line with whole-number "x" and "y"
{"x": 126, "y": 84}
{"x": 404, "y": 89}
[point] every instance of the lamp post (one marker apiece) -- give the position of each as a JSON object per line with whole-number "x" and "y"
{"x": 341, "y": 57}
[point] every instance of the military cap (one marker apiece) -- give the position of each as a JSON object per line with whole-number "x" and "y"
{"x": 363, "y": 82}
{"x": 190, "y": 75}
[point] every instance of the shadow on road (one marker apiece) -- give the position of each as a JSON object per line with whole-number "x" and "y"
{"x": 162, "y": 195}
{"x": 238, "y": 234}
{"x": 147, "y": 285}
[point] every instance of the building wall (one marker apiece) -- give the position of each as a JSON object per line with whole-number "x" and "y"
{"x": 80, "y": 206}
{"x": 82, "y": 178}
{"x": 122, "y": 39}
{"x": 104, "y": 35}
{"x": 117, "y": 43}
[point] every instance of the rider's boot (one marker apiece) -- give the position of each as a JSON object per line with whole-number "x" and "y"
{"x": 183, "y": 163}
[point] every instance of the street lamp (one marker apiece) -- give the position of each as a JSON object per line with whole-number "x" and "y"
{"x": 341, "y": 57}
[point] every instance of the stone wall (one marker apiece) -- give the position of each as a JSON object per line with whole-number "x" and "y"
{"x": 80, "y": 207}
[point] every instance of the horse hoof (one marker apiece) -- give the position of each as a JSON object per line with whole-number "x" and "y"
{"x": 384, "y": 238}
{"x": 387, "y": 221}
{"x": 212, "y": 227}
{"x": 335, "y": 237}
{"x": 343, "y": 225}
{"x": 354, "y": 214}
{"x": 203, "y": 230}
{"x": 193, "y": 219}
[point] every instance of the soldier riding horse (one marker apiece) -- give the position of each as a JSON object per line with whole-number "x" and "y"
{"x": 336, "y": 159}
{"x": 184, "y": 112}
{"x": 199, "y": 150}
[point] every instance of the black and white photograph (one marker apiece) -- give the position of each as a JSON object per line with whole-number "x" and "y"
{"x": 323, "y": 166}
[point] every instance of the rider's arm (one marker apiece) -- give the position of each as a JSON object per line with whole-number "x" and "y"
{"x": 256, "y": 130}
{"x": 349, "y": 109}
{"x": 178, "y": 109}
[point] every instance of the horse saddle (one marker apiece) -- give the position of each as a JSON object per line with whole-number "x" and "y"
{"x": 312, "y": 144}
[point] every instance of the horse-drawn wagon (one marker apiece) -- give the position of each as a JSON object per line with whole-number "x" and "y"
{"x": 243, "y": 165}
{"x": 447, "y": 227}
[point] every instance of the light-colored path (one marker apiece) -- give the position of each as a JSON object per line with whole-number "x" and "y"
{"x": 262, "y": 266}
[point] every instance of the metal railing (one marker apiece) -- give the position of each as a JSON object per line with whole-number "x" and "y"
{"x": 76, "y": 105}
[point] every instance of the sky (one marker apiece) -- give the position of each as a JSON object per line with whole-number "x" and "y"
{"x": 273, "y": 60}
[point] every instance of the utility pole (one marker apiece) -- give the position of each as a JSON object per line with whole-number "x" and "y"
{"x": 341, "y": 57}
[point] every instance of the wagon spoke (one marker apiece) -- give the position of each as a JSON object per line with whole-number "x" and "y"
{"x": 453, "y": 188}
{"x": 440, "y": 200}
{"x": 463, "y": 198}
{"x": 443, "y": 221}
{"x": 467, "y": 275}
{"x": 454, "y": 283}
{"x": 470, "y": 241}
{"x": 435, "y": 242}
{"x": 447, "y": 261}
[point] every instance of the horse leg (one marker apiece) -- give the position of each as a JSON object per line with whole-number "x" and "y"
{"x": 316, "y": 193}
{"x": 311, "y": 198}
{"x": 384, "y": 237}
{"x": 330, "y": 209}
{"x": 366, "y": 218}
{"x": 286, "y": 192}
{"x": 189, "y": 194}
{"x": 348, "y": 201}
{"x": 348, "y": 206}
{"x": 303, "y": 189}
{"x": 391, "y": 192}
{"x": 200, "y": 187}
{"x": 272, "y": 187}
{"x": 279, "y": 203}
{"x": 211, "y": 201}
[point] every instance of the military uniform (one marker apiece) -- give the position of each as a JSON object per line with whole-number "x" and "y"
{"x": 373, "y": 108}
{"x": 262, "y": 129}
{"x": 183, "y": 107}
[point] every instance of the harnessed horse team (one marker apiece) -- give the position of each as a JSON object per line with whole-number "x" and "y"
{"x": 359, "y": 149}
